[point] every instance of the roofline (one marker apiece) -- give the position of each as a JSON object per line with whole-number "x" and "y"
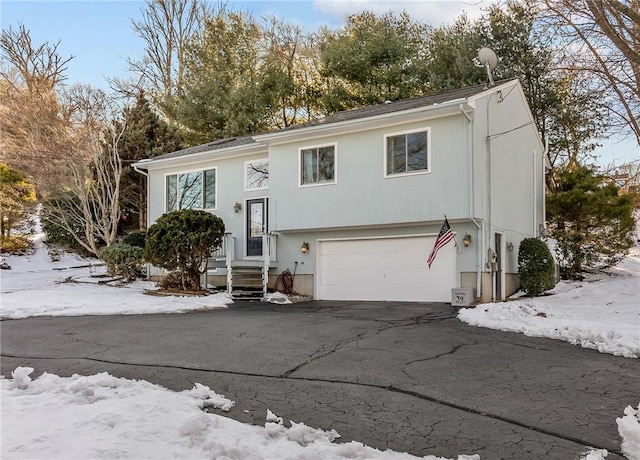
{"x": 440, "y": 109}
{"x": 217, "y": 154}
{"x": 339, "y": 127}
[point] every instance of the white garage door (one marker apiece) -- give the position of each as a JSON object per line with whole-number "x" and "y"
{"x": 385, "y": 269}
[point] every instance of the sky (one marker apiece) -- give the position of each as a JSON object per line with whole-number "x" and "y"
{"x": 99, "y": 35}
{"x": 107, "y": 417}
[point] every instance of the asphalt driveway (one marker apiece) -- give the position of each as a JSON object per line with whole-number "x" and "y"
{"x": 404, "y": 376}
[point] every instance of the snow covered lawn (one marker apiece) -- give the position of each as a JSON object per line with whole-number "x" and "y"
{"x": 601, "y": 313}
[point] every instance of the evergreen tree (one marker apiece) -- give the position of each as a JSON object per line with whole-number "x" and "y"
{"x": 16, "y": 194}
{"x": 145, "y": 136}
{"x": 374, "y": 59}
{"x": 592, "y": 223}
{"x": 221, "y": 96}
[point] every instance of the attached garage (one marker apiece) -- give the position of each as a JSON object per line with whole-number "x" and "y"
{"x": 392, "y": 269}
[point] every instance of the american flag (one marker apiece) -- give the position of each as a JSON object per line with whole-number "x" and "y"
{"x": 444, "y": 237}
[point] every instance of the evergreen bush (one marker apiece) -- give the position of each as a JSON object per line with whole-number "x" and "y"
{"x": 123, "y": 260}
{"x": 137, "y": 239}
{"x": 535, "y": 267}
{"x": 183, "y": 240}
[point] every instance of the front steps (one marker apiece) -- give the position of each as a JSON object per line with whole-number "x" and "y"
{"x": 247, "y": 281}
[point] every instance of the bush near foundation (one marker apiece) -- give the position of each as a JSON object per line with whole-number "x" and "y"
{"x": 183, "y": 241}
{"x": 535, "y": 267}
{"x": 123, "y": 260}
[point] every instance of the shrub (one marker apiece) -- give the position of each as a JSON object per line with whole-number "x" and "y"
{"x": 183, "y": 240}
{"x": 535, "y": 267}
{"x": 137, "y": 238}
{"x": 123, "y": 260}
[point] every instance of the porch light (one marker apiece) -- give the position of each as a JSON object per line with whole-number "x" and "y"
{"x": 237, "y": 207}
{"x": 304, "y": 248}
{"x": 510, "y": 246}
{"x": 466, "y": 240}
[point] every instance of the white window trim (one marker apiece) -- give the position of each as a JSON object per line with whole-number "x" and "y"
{"x": 426, "y": 129}
{"x": 335, "y": 165}
{"x": 178, "y": 173}
{"x": 246, "y": 176}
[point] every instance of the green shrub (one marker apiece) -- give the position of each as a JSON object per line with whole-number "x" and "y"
{"x": 535, "y": 267}
{"x": 123, "y": 260}
{"x": 137, "y": 238}
{"x": 183, "y": 240}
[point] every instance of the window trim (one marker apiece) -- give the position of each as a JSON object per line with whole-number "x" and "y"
{"x": 335, "y": 164}
{"x": 386, "y": 136}
{"x": 188, "y": 171}
{"x": 246, "y": 176}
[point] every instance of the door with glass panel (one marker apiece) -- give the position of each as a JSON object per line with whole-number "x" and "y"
{"x": 257, "y": 223}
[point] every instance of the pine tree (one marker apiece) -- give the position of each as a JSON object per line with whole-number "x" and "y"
{"x": 592, "y": 223}
{"x": 145, "y": 136}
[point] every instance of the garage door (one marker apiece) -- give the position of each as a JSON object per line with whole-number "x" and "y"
{"x": 385, "y": 269}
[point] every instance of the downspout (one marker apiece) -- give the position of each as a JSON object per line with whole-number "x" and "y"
{"x": 145, "y": 173}
{"x": 479, "y": 235}
{"x": 535, "y": 192}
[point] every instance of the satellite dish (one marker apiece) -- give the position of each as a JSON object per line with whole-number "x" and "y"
{"x": 487, "y": 58}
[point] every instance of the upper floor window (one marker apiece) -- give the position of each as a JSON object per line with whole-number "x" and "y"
{"x": 407, "y": 153}
{"x": 256, "y": 174}
{"x": 191, "y": 190}
{"x": 318, "y": 165}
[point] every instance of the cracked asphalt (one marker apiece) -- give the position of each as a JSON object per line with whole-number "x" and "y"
{"x": 403, "y": 376}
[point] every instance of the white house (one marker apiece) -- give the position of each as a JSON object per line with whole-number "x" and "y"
{"x": 352, "y": 203}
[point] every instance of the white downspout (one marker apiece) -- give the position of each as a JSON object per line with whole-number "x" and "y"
{"x": 479, "y": 234}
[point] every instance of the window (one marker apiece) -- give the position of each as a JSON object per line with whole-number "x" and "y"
{"x": 256, "y": 174}
{"x": 192, "y": 190}
{"x": 407, "y": 153}
{"x": 318, "y": 165}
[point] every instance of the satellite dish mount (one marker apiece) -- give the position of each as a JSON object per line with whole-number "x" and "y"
{"x": 487, "y": 58}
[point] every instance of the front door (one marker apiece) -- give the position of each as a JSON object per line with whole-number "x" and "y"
{"x": 256, "y": 225}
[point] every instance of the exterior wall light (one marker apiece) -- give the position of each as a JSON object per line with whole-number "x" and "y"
{"x": 304, "y": 248}
{"x": 237, "y": 207}
{"x": 466, "y": 240}
{"x": 510, "y": 247}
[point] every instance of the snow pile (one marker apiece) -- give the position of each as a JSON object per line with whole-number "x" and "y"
{"x": 601, "y": 314}
{"x": 629, "y": 429}
{"x": 109, "y": 417}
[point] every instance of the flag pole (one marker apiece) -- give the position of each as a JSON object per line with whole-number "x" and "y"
{"x": 455, "y": 242}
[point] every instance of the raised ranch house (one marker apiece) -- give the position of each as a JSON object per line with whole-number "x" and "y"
{"x": 352, "y": 203}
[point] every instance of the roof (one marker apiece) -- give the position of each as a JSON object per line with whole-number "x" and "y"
{"x": 347, "y": 115}
{"x": 209, "y": 147}
{"x": 390, "y": 107}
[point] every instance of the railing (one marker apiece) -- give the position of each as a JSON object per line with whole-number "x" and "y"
{"x": 223, "y": 250}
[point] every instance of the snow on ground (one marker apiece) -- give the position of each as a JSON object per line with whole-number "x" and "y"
{"x": 102, "y": 416}
{"x": 601, "y": 313}
{"x": 57, "y": 290}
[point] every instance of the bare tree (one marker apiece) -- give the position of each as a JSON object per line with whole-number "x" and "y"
{"x": 602, "y": 38}
{"x": 89, "y": 208}
{"x": 166, "y": 27}
{"x": 34, "y": 122}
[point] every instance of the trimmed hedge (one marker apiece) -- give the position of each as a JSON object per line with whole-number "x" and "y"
{"x": 535, "y": 267}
